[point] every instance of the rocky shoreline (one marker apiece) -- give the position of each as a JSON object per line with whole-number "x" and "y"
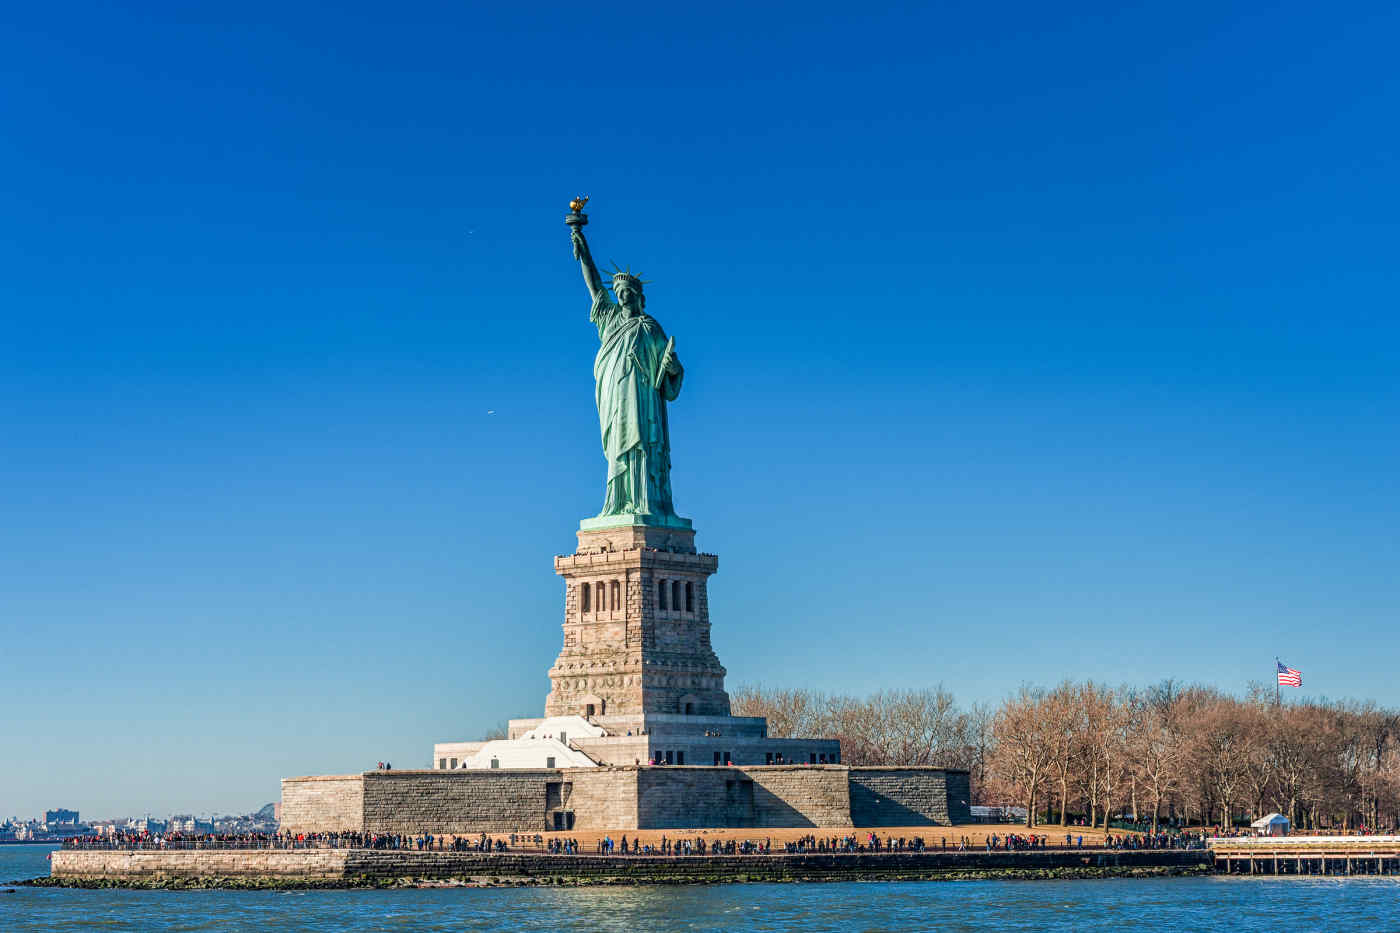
{"x": 307, "y": 870}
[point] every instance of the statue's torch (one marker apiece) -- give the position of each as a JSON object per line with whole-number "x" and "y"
{"x": 576, "y": 218}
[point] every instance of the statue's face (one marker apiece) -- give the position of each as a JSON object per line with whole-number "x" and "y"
{"x": 628, "y": 298}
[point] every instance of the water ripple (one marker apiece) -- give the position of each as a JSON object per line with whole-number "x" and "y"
{"x": 1239, "y": 905}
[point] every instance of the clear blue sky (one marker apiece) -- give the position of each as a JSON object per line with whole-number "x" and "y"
{"x": 1021, "y": 342}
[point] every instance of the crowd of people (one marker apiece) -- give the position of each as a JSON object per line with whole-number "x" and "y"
{"x": 1162, "y": 840}
{"x": 849, "y": 844}
{"x": 1018, "y": 842}
{"x": 133, "y": 839}
{"x": 867, "y": 842}
{"x": 287, "y": 840}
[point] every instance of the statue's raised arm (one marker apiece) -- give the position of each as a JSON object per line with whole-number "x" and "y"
{"x": 590, "y": 270}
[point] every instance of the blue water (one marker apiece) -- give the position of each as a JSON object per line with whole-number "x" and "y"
{"x": 1196, "y": 904}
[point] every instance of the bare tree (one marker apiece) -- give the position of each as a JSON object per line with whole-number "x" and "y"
{"x": 1221, "y": 748}
{"x": 1064, "y": 722}
{"x": 1023, "y": 747}
{"x": 1190, "y": 751}
{"x": 790, "y": 713}
{"x": 1100, "y": 746}
{"x": 1157, "y": 744}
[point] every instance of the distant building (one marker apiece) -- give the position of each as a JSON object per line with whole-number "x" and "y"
{"x": 146, "y": 825}
{"x": 54, "y": 817}
{"x": 189, "y": 824}
{"x": 998, "y": 814}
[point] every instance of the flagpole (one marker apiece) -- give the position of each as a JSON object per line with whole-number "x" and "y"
{"x": 1278, "y": 697}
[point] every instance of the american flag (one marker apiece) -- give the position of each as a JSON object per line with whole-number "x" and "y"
{"x": 1288, "y": 677}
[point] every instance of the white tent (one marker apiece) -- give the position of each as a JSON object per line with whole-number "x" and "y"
{"x": 1275, "y": 824}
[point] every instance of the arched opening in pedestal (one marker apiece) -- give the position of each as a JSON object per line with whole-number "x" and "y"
{"x": 590, "y": 706}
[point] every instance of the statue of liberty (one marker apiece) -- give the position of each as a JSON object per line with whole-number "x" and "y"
{"x": 636, "y": 373}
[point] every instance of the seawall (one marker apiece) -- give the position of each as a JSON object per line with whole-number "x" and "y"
{"x": 372, "y": 867}
{"x": 626, "y": 797}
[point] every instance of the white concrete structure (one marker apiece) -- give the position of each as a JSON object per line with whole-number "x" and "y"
{"x": 564, "y": 728}
{"x": 528, "y": 753}
{"x": 547, "y": 744}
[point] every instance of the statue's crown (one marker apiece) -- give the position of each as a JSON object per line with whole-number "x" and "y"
{"x": 622, "y": 276}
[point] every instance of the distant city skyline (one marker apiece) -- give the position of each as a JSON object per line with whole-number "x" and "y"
{"x": 61, "y": 823}
{"x": 1073, "y": 331}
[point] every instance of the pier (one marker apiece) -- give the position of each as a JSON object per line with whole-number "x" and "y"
{"x": 1307, "y": 855}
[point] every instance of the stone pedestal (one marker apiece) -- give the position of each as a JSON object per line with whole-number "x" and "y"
{"x": 636, "y": 627}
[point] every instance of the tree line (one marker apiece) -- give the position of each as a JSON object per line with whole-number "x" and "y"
{"x": 1171, "y": 752}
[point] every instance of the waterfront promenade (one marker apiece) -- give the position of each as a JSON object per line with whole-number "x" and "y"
{"x": 700, "y": 856}
{"x": 944, "y": 838}
{"x": 378, "y": 867}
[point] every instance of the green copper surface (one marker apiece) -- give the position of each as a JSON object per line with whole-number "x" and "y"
{"x": 635, "y": 373}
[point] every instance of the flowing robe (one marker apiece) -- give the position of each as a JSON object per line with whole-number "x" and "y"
{"x": 632, "y": 388}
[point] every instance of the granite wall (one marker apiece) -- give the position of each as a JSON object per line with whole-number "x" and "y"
{"x": 151, "y": 865}
{"x": 908, "y": 797}
{"x": 603, "y": 798}
{"x": 680, "y": 798}
{"x": 801, "y": 795}
{"x": 323, "y": 804}
{"x": 468, "y": 802}
{"x": 456, "y": 801}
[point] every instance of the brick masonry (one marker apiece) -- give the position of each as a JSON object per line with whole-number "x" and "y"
{"x": 624, "y": 798}
{"x": 677, "y": 798}
{"x": 909, "y": 797}
{"x": 801, "y": 796}
{"x": 603, "y": 798}
{"x": 299, "y": 864}
{"x": 456, "y": 801}
{"x": 959, "y": 796}
{"x": 325, "y": 803}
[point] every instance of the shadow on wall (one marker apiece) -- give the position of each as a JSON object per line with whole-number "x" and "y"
{"x": 869, "y": 808}
{"x": 772, "y": 810}
{"x": 899, "y": 798}
{"x": 689, "y": 798}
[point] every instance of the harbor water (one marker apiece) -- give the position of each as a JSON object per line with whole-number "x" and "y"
{"x": 1196, "y": 903}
